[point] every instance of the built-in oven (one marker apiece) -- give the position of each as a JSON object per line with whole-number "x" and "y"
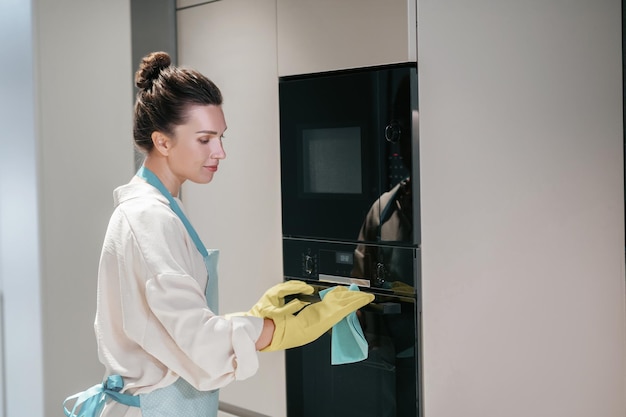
{"x": 350, "y": 215}
{"x": 385, "y": 384}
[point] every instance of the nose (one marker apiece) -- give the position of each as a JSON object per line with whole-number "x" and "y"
{"x": 217, "y": 150}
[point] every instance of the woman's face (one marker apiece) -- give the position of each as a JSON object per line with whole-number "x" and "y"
{"x": 197, "y": 146}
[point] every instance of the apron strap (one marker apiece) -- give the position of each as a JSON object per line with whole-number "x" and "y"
{"x": 210, "y": 260}
{"x": 153, "y": 180}
{"x": 92, "y": 401}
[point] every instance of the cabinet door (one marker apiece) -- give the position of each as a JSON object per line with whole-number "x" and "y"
{"x": 326, "y": 35}
{"x": 233, "y": 42}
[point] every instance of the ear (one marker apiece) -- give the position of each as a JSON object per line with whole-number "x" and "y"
{"x": 162, "y": 143}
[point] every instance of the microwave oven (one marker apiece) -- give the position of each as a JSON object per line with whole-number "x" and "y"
{"x": 349, "y": 155}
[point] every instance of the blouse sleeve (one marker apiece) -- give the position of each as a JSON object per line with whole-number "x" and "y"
{"x": 179, "y": 330}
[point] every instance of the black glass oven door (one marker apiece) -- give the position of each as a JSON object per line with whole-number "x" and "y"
{"x": 383, "y": 385}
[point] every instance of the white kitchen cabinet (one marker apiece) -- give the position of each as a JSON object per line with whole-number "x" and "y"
{"x": 326, "y": 35}
{"x": 522, "y": 208}
{"x": 233, "y": 42}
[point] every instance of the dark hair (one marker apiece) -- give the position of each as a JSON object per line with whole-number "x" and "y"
{"x": 164, "y": 96}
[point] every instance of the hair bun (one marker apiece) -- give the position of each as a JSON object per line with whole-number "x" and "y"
{"x": 150, "y": 68}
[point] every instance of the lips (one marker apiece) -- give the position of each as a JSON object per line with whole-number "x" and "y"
{"x": 212, "y": 168}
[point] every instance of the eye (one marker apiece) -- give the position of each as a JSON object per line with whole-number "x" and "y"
{"x": 204, "y": 141}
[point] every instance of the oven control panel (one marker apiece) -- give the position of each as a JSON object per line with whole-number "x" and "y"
{"x": 343, "y": 263}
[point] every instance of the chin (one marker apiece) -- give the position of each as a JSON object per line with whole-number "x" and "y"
{"x": 201, "y": 179}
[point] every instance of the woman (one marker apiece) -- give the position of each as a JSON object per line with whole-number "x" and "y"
{"x": 166, "y": 352}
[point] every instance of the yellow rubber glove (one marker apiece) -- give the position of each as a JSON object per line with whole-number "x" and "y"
{"x": 272, "y": 303}
{"x": 316, "y": 319}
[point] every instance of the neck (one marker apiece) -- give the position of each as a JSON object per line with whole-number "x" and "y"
{"x": 160, "y": 168}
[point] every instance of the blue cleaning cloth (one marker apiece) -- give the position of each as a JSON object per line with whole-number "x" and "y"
{"x": 348, "y": 344}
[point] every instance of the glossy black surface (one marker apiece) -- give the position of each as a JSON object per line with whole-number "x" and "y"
{"x": 389, "y": 268}
{"x": 383, "y": 385}
{"x": 350, "y": 212}
{"x": 347, "y": 138}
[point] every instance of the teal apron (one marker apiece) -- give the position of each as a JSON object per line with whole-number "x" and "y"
{"x": 179, "y": 398}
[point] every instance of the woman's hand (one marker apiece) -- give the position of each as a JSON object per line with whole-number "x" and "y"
{"x": 272, "y": 303}
{"x": 316, "y": 319}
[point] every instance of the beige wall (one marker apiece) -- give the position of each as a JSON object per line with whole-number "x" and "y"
{"x": 522, "y": 208}
{"x": 85, "y": 109}
{"x": 66, "y": 98}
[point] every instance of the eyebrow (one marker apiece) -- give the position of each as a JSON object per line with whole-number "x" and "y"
{"x": 208, "y": 132}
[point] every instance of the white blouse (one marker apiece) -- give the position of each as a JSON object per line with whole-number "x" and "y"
{"x": 152, "y": 321}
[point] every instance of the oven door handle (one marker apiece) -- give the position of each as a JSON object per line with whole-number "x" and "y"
{"x": 385, "y": 308}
